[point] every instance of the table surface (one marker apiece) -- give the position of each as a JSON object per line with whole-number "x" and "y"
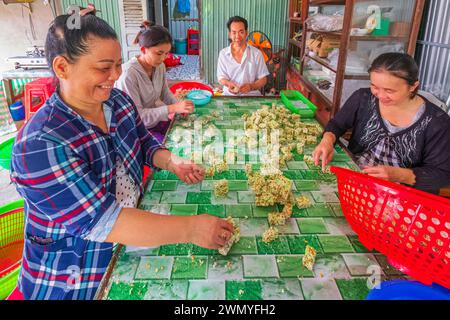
{"x": 253, "y": 270}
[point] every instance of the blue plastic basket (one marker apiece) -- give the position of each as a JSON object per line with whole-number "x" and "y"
{"x": 408, "y": 290}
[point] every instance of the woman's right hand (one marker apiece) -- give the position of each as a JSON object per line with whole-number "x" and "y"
{"x": 209, "y": 231}
{"x": 233, "y": 87}
{"x": 324, "y": 151}
{"x": 182, "y": 107}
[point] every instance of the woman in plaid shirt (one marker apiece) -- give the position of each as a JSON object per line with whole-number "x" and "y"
{"x": 67, "y": 162}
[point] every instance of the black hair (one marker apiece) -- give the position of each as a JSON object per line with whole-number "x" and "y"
{"x": 400, "y": 65}
{"x": 152, "y": 35}
{"x": 237, "y": 19}
{"x": 72, "y": 42}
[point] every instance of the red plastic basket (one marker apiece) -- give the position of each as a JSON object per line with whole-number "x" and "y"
{"x": 190, "y": 86}
{"x": 409, "y": 226}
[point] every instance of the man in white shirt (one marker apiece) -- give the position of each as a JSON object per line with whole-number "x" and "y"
{"x": 241, "y": 68}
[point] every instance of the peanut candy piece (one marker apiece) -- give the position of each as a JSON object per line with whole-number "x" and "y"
{"x": 309, "y": 258}
{"x": 270, "y": 235}
{"x": 234, "y": 238}
{"x": 221, "y": 188}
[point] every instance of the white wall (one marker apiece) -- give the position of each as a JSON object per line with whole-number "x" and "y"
{"x": 15, "y": 31}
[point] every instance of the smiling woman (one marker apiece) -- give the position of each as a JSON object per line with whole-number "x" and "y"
{"x": 78, "y": 163}
{"x": 397, "y": 135}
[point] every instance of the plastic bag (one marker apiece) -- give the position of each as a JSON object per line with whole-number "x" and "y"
{"x": 376, "y": 52}
{"x": 321, "y": 22}
{"x": 356, "y": 62}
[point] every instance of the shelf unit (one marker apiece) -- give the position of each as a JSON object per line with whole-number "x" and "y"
{"x": 299, "y": 78}
{"x": 295, "y": 26}
{"x": 193, "y": 42}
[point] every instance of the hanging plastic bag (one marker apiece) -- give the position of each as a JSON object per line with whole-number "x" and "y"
{"x": 184, "y": 6}
{"x": 376, "y": 52}
{"x": 356, "y": 62}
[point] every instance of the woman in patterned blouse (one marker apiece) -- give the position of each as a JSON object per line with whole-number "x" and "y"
{"x": 397, "y": 135}
{"x": 65, "y": 163}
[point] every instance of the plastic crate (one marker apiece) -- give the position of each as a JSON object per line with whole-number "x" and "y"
{"x": 11, "y": 245}
{"x": 409, "y": 226}
{"x": 306, "y": 109}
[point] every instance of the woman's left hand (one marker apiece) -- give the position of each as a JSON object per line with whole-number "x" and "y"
{"x": 394, "y": 174}
{"x": 189, "y": 173}
{"x": 381, "y": 172}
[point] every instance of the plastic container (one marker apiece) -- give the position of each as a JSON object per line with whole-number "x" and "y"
{"x": 190, "y": 86}
{"x": 200, "y": 97}
{"x": 6, "y": 152}
{"x": 17, "y": 111}
{"x": 298, "y": 103}
{"x": 11, "y": 245}
{"x": 408, "y": 290}
{"x": 180, "y": 46}
{"x": 384, "y": 28}
{"x": 409, "y": 226}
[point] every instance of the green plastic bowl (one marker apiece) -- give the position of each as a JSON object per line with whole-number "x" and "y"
{"x": 6, "y": 152}
{"x": 12, "y": 225}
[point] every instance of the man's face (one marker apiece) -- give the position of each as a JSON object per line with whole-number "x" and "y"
{"x": 238, "y": 34}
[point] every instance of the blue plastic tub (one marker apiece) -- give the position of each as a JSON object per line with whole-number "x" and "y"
{"x": 408, "y": 290}
{"x": 180, "y": 46}
{"x": 17, "y": 111}
{"x": 199, "y": 97}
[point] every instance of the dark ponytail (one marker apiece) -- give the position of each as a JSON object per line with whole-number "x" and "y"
{"x": 400, "y": 65}
{"x": 151, "y": 35}
{"x": 72, "y": 42}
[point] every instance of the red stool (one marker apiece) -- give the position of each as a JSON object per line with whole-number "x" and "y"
{"x": 41, "y": 88}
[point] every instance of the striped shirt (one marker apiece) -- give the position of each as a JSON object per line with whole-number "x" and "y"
{"x": 65, "y": 167}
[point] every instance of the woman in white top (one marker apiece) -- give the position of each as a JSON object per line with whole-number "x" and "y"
{"x": 144, "y": 80}
{"x": 241, "y": 68}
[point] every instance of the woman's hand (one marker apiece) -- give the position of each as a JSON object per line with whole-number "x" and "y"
{"x": 233, "y": 87}
{"x": 324, "y": 151}
{"x": 245, "y": 88}
{"x": 209, "y": 232}
{"x": 182, "y": 107}
{"x": 394, "y": 174}
{"x": 187, "y": 171}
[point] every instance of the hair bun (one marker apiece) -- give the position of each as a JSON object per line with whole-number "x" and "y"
{"x": 146, "y": 25}
{"x": 90, "y": 9}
